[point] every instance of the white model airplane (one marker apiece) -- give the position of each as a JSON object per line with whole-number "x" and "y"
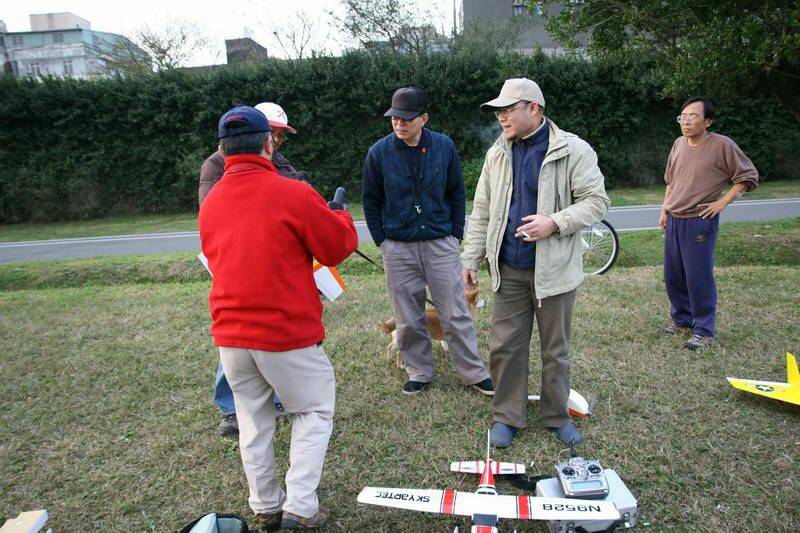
{"x": 485, "y": 506}
{"x": 577, "y": 404}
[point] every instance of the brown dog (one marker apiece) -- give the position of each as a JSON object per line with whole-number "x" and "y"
{"x": 432, "y": 323}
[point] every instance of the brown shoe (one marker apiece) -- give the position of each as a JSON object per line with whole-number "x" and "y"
{"x": 698, "y": 342}
{"x": 293, "y": 521}
{"x": 675, "y": 329}
{"x": 270, "y": 521}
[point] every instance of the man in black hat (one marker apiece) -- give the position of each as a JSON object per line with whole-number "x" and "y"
{"x": 413, "y": 194}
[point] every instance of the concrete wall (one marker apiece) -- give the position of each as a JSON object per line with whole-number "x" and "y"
{"x": 499, "y": 13}
{"x": 57, "y": 21}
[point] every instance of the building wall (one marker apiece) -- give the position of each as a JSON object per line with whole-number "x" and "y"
{"x": 57, "y": 21}
{"x": 499, "y": 13}
{"x": 75, "y": 53}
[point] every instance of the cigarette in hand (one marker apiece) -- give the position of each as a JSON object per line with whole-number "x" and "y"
{"x": 526, "y": 235}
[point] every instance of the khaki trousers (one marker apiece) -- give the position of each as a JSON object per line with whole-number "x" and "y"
{"x": 436, "y": 263}
{"x": 304, "y": 381}
{"x": 515, "y": 307}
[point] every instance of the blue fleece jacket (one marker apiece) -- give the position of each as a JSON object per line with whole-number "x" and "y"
{"x": 413, "y": 193}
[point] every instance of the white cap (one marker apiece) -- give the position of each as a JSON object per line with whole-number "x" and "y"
{"x": 516, "y": 90}
{"x": 276, "y": 115}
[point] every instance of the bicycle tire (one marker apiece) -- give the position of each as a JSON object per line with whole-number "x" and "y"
{"x": 600, "y": 244}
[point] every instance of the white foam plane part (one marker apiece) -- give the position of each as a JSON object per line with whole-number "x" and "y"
{"x": 497, "y": 468}
{"x": 485, "y": 507}
{"x": 576, "y": 403}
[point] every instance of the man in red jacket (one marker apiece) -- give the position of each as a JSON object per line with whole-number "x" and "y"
{"x": 259, "y": 232}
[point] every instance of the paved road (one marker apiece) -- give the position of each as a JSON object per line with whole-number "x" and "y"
{"x": 623, "y": 218}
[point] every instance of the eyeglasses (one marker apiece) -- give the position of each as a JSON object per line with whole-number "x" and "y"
{"x": 506, "y": 110}
{"x": 688, "y": 119}
{"x": 279, "y": 137}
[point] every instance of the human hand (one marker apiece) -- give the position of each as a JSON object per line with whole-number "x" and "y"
{"x": 470, "y": 278}
{"x": 662, "y": 219}
{"x": 537, "y": 227}
{"x": 712, "y": 209}
{"x": 338, "y": 202}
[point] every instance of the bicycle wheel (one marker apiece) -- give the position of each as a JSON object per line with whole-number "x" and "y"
{"x": 600, "y": 248}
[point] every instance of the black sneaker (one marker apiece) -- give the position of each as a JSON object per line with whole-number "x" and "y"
{"x": 414, "y": 387}
{"x": 228, "y": 426}
{"x": 485, "y": 387}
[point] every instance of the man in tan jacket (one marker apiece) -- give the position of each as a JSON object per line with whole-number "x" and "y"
{"x": 538, "y": 188}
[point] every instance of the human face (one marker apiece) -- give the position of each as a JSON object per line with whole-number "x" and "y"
{"x": 409, "y": 131}
{"x": 519, "y": 120}
{"x": 693, "y": 121}
{"x": 278, "y": 136}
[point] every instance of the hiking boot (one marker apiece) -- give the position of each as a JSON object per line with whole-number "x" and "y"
{"x": 269, "y": 521}
{"x": 501, "y": 435}
{"x": 293, "y": 521}
{"x": 414, "y": 387}
{"x": 485, "y": 387}
{"x": 568, "y": 434}
{"x": 675, "y": 329}
{"x": 699, "y": 342}
{"x": 228, "y": 426}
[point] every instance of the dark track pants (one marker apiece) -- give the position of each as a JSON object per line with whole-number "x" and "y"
{"x": 689, "y": 252}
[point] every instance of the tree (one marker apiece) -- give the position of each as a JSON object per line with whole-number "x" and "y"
{"x": 720, "y": 48}
{"x": 299, "y": 36}
{"x": 169, "y": 46}
{"x": 400, "y": 25}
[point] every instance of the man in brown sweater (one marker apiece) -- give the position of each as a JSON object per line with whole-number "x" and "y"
{"x": 699, "y": 167}
{"x": 210, "y": 173}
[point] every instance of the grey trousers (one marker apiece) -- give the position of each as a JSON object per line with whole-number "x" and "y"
{"x": 304, "y": 380}
{"x": 515, "y": 307}
{"x": 436, "y": 263}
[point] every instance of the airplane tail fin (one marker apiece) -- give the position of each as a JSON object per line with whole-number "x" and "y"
{"x": 792, "y": 374}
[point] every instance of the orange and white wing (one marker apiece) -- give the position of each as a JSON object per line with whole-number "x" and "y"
{"x": 497, "y": 467}
{"x": 423, "y": 500}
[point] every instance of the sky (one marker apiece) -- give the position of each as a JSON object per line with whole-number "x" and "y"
{"x": 217, "y": 20}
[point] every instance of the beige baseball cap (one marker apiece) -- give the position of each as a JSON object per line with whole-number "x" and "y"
{"x": 516, "y": 90}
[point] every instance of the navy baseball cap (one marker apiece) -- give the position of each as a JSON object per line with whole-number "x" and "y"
{"x": 240, "y": 120}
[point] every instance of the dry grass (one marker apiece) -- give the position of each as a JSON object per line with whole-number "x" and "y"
{"x": 108, "y": 421}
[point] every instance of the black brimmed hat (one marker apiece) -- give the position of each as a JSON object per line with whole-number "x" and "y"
{"x": 408, "y": 103}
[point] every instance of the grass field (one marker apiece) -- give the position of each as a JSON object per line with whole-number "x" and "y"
{"x": 109, "y": 424}
{"x": 139, "y": 224}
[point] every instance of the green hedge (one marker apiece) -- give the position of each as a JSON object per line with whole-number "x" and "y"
{"x": 78, "y": 149}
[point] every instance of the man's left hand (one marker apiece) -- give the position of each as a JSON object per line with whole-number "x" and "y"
{"x": 537, "y": 227}
{"x": 712, "y": 209}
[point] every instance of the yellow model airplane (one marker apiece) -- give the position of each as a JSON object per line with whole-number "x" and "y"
{"x": 785, "y": 392}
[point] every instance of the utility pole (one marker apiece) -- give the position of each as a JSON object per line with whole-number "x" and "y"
{"x": 455, "y": 24}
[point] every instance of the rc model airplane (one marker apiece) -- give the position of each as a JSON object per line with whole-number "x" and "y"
{"x": 785, "y": 392}
{"x": 577, "y": 404}
{"x": 485, "y": 506}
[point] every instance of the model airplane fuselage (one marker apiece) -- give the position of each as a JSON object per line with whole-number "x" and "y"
{"x": 785, "y": 392}
{"x": 484, "y": 506}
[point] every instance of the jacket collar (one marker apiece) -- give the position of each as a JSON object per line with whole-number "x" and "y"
{"x": 245, "y": 162}
{"x": 557, "y": 142}
{"x": 424, "y": 140}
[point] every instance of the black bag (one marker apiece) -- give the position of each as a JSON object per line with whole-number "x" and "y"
{"x": 217, "y": 523}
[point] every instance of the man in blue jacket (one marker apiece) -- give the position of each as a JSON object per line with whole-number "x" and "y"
{"x": 413, "y": 194}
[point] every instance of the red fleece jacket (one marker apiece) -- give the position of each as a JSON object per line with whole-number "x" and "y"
{"x": 259, "y": 232}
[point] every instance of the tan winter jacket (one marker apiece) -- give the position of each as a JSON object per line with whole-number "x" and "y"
{"x": 571, "y": 192}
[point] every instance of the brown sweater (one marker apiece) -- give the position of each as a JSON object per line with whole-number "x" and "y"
{"x": 214, "y": 166}
{"x": 698, "y": 175}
